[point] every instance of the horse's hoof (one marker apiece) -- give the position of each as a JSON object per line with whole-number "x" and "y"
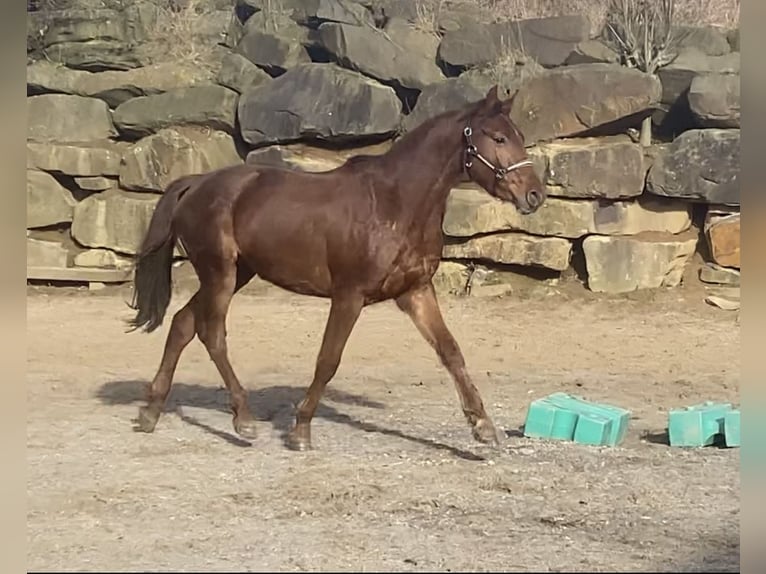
{"x": 485, "y": 432}
{"x": 246, "y": 428}
{"x": 298, "y": 442}
{"x": 147, "y": 420}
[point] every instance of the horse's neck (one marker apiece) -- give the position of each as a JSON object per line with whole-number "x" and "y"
{"x": 424, "y": 169}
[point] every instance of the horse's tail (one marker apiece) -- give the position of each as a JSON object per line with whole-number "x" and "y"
{"x": 152, "y": 282}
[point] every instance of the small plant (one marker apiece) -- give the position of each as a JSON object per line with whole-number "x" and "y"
{"x": 174, "y": 34}
{"x": 273, "y": 12}
{"x": 644, "y": 34}
{"x": 428, "y": 13}
{"x": 511, "y": 57}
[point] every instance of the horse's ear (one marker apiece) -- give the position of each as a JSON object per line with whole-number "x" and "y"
{"x": 507, "y": 105}
{"x": 491, "y": 98}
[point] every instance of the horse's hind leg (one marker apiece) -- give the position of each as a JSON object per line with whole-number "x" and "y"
{"x": 422, "y": 307}
{"x": 218, "y": 283}
{"x": 180, "y": 335}
{"x": 182, "y": 331}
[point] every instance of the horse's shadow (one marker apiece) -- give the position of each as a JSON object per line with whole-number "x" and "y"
{"x": 275, "y": 404}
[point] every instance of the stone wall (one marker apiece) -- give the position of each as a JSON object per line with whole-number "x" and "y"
{"x": 309, "y": 83}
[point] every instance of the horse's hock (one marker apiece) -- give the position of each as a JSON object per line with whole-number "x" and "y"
{"x": 113, "y": 118}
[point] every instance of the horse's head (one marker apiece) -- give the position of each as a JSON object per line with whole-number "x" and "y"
{"x": 495, "y": 156}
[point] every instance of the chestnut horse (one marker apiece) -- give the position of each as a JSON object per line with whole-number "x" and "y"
{"x": 368, "y": 231}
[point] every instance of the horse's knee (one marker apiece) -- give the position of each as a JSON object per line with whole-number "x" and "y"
{"x": 183, "y": 322}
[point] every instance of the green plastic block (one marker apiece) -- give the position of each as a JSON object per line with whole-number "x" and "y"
{"x": 697, "y": 425}
{"x": 731, "y": 428}
{"x": 563, "y": 416}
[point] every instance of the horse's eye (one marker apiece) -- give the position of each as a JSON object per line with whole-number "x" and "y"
{"x": 500, "y": 139}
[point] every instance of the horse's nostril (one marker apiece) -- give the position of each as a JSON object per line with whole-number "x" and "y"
{"x": 534, "y": 198}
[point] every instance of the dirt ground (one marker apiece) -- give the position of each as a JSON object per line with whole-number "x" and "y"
{"x": 395, "y": 481}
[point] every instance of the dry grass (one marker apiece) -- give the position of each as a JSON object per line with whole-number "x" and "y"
{"x": 507, "y": 67}
{"x": 274, "y": 14}
{"x": 428, "y": 13}
{"x": 724, "y": 13}
{"x": 174, "y": 35}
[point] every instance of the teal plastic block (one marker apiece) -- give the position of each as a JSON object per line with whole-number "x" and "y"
{"x": 731, "y": 428}
{"x": 697, "y": 425}
{"x": 563, "y": 416}
{"x": 545, "y": 420}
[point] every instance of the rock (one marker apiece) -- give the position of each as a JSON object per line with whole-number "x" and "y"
{"x": 208, "y": 27}
{"x": 732, "y": 36}
{"x": 309, "y": 13}
{"x": 708, "y": 40}
{"x": 471, "y": 46}
{"x": 442, "y": 17}
{"x": 94, "y": 183}
{"x": 401, "y": 56}
{"x": 514, "y": 248}
{"x": 156, "y": 160}
{"x": 642, "y": 215}
{"x": 477, "y": 280}
{"x": 102, "y": 258}
{"x": 272, "y": 52}
{"x": 114, "y": 87}
{"x": 471, "y": 86}
{"x": 645, "y": 261}
{"x": 47, "y": 77}
{"x": 97, "y": 38}
{"x": 234, "y": 32}
{"x": 714, "y": 100}
{"x": 95, "y": 55}
{"x": 549, "y": 41}
{"x": 676, "y": 77}
{"x": 715, "y": 274}
{"x": 383, "y": 9}
{"x": 592, "y": 52}
{"x": 36, "y": 25}
{"x": 143, "y": 32}
{"x": 214, "y": 107}
{"x": 82, "y": 159}
{"x": 318, "y": 101}
{"x": 65, "y": 118}
{"x": 723, "y": 238}
{"x": 700, "y": 165}
{"x": 48, "y": 202}
{"x": 725, "y": 303}
{"x": 84, "y": 25}
{"x": 451, "y": 278}
{"x": 571, "y": 100}
{"x": 46, "y": 253}
{"x": 280, "y": 23}
{"x": 448, "y": 95}
{"x": 471, "y": 211}
{"x": 115, "y": 220}
{"x": 240, "y": 74}
{"x": 313, "y": 13}
{"x": 310, "y": 158}
{"x": 611, "y": 168}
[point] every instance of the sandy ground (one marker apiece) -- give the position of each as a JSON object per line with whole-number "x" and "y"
{"x": 395, "y": 481}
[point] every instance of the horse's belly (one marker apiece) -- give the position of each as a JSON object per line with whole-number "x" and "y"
{"x": 405, "y": 275}
{"x": 294, "y": 261}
